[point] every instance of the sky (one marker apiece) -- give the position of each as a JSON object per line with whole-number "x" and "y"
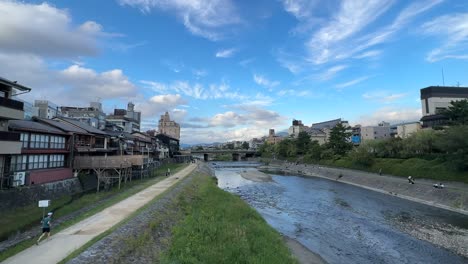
{"x": 230, "y": 70}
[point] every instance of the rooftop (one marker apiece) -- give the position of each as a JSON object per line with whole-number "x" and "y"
{"x": 27, "y": 125}
{"x": 444, "y": 91}
{"x": 14, "y": 84}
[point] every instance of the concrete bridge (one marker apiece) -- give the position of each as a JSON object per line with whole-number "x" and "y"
{"x": 237, "y": 154}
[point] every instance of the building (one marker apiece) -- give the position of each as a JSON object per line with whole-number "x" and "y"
{"x": 356, "y": 135}
{"x": 171, "y": 143}
{"x": 129, "y": 120}
{"x": 296, "y": 128}
{"x": 434, "y": 99}
{"x": 407, "y": 129}
{"x": 92, "y": 115}
{"x": 168, "y": 127}
{"x": 382, "y": 131}
{"x": 272, "y": 138}
{"x": 318, "y": 135}
{"x": 30, "y": 110}
{"x": 45, "y": 153}
{"x": 255, "y": 143}
{"x": 10, "y": 144}
{"x": 321, "y": 131}
{"x": 46, "y": 109}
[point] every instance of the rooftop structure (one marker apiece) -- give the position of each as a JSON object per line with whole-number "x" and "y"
{"x": 169, "y": 127}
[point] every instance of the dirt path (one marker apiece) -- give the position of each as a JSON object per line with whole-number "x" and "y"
{"x": 65, "y": 242}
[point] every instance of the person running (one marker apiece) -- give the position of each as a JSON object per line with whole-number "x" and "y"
{"x": 45, "y": 227}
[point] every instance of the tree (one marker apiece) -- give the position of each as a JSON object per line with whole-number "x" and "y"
{"x": 314, "y": 152}
{"x": 457, "y": 112}
{"x": 245, "y": 145}
{"x": 338, "y": 142}
{"x": 302, "y": 143}
{"x": 454, "y": 143}
{"x": 286, "y": 148}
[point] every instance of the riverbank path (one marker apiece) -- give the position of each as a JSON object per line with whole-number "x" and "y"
{"x": 62, "y": 244}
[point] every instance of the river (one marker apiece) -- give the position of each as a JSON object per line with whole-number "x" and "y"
{"x": 340, "y": 222}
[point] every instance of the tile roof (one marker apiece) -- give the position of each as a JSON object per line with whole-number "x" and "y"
{"x": 33, "y": 126}
{"x": 61, "y": 125}
{"x": 82, "y": 125}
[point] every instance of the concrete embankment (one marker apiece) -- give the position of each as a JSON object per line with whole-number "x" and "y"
{"x": 453, "y": 197}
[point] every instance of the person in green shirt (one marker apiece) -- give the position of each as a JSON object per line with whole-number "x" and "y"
{"x": 45, "y": 227}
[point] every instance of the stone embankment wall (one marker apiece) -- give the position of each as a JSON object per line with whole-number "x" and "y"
{"x": 13, "y": 198}
{"x": 453, "y": 197}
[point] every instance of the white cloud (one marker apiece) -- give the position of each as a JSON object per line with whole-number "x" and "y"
{"x": 246, "y": 62}
{"x": 331, "y": 72}
{"x": 352, "y": 17}
{"x": 383, "y": 96}
{"x": 45, "y": 30}
{"x": 261, "y": 80}
{"x": 453, "y": 29}
{"x": 226, "y": 53}
{"x": 368, "y": 54}
{"x": 300, "y": 8}
{"x": 390, "y": 114}
{"x": 292, "y": 92}
{"x": 197, "y": 91}
{"x": 352, "y": 82}
{"x": 159, "y": 104}
{"x": 72, "y": 85}
{"x": 205, "y": 18}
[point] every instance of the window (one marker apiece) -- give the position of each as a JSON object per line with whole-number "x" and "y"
{"x": 39, "y": 141}
{"x": 24, "y": 139}
{"x": 56, "y": 161}
{"x": 37, "y": 162}
{"x": 57, "y": 142}
{"x": 18, "y": 163}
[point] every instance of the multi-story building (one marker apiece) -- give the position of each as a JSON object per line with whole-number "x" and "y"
{"x": 45, "y": 154}
{"x": 434, "y": 99}
{"x": 407, "y": 129}
{"x": 92, "y": 115}
{"x": 296, "y": 128}
{"x": 381, "y": 131}
{"x": 46, "y": 109}
{"x": 168, "y": 127}
{"x": 272, "y": 138}
{"x": 129, "y": 120}
{"x": 321, "y": 131}
{"x": 255, "y": 143}
{"x": 10, "y": 109}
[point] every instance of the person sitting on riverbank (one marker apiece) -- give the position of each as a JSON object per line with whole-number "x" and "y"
{"x": 438, "y": 186}
{"x": 410, "y": 180}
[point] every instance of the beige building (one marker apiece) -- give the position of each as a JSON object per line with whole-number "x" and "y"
{"x": 437, "y": 98}
{"x": 381, "y": 131}
{"x": 168, "y": 127}
{"x": 296, "y": 128}
{"x": 405, "y": 130}
{"x": 272, "y": 138}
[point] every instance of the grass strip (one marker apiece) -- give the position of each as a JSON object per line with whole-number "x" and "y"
{"x": 117, "y": 195}
{"x": 221, "y": 228}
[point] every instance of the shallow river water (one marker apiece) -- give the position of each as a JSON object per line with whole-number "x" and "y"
{"x": 340, "y": 222}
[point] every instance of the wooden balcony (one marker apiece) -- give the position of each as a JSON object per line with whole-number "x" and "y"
{"x": 111, "y": 162}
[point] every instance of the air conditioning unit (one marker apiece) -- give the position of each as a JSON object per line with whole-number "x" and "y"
{"x": 19, "y": 178}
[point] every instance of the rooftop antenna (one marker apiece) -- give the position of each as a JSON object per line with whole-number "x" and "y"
{"x": 443, "y": 77}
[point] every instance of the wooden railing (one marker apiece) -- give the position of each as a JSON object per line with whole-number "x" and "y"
{"x": 108, "y": 162}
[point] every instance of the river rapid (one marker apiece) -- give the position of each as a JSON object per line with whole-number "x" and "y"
{"x": 340, "y": 222}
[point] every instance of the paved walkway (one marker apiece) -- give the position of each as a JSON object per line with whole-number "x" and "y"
{"x": 62, "y": 244}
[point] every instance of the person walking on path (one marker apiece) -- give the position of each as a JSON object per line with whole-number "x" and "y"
{"x": 45, "y": 227}
{"x": 168, "y": 172}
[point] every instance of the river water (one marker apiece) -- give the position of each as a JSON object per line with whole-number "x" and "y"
{"x": 341, "y": 222}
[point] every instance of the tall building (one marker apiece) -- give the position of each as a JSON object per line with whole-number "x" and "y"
{"x": 129, "y": 120}
{"x": 92, "y": 115}
{"x": 168, "y": 127}
{"x": 435, "y": 99}
{"x": 46, "y": 109}
{"x": 296, "y": 128}
{"x": 381, "y": 131}
{"x": 10, "y": 142}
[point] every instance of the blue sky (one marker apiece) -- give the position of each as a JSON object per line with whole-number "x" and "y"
{"x": 230, "y": 70}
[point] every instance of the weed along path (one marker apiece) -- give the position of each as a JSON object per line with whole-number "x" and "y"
{"x": 60, "y": 245}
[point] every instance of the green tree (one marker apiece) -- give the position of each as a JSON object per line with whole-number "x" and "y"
{"x": 245, "y": 145}
{"x": 457, "y": 112}
{"x": 302, "y": 143}
{"x": 362, "y": 155}
{"x": 314, "y": 152}
{"x": 199, "y": 148}
{"x": 338, "y": 142}
{"x": 286, "y": 148}
{"x": 454, "y": 144}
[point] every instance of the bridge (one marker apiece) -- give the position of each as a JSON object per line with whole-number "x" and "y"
{"x": 237, "y": 154}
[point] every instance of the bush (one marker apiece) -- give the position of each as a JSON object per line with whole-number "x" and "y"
{"x": 360, "y": 156}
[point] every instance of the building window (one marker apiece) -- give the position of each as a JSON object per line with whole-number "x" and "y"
{"x": 37, "y": 162}
{"x": 18, "y": 163}
{"x": 56, "y": 161}
{"x": 24, "y": 139}
{"x": 39, "y": 141}
{"x": 57, "y": 142}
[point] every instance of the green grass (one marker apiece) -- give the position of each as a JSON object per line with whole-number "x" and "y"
{"x": 221, "y": 228}
{"x": 24, "y": 217}
{"x": 418, "y": 168}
